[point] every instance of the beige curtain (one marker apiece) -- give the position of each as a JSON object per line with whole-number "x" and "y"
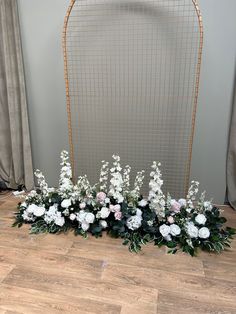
{"x": 231, "y": 162}
{"x": 15, "y": 149}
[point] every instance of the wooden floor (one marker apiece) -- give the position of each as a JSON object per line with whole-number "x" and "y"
{"x": 67, "y": 274}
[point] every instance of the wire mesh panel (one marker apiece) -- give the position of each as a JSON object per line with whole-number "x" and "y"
{"x": 132, "y": 72}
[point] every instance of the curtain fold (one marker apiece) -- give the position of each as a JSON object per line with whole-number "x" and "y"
{"x": 231, "y": 160}
{"x": 15, "y": 149}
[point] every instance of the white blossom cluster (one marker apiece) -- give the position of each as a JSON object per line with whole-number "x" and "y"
{"x": 41, "y": 182}
{"x": 116, "y": 181}
{"x": 156, "y": 196}
{"x": 65, "y": 182}
{"x": 126, "y": 179}
{"x": 135, "y": 222}
{"x": 104, "y": 175}
{"x": 97, "y": 203}
{"x": 138, "y": 183}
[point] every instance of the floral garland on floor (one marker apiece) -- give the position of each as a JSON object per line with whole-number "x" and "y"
{"x": 114, "y": 206}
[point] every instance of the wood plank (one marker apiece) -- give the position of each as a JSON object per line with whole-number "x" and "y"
{"x": 201, "y": 288}
{"x": 66, "y": 283}
{"x": 78, "y": 266}
{"x": 5, "y": 269}
{"x": 175, "y": 302}
{"x": 30, "y": 301}
{"x": 180, "y": 263}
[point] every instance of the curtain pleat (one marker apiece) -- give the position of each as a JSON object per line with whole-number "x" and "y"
{"x": 231, "y": 160}
{"x": 15, "y": 149}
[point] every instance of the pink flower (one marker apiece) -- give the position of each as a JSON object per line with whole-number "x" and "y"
{"x": 116, "y": 208}
{"x": 170, "y": 219}
{"x": 118, "y": 215}
{"x": 175, "y": 206}
{"x": 101, "y": 196}
{"x": 111, "y": 207}
{"x": 82, "y": 205}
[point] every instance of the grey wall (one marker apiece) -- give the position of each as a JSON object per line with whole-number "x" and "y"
{"x": 41, "y": 26}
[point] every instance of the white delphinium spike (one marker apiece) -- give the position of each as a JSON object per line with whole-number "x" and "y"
{"x": 192, "y": 192}
{"x": 126, "y": 179}
{"x": 156, "y": 196}
{"x": 138, "y": 183}
{"x": 41, "y": 182}
{"x": 104, "y": 176}
{"x": 116, "y": 182}
{"x": 65, "y": 182}
{"x": 83, "y": 187}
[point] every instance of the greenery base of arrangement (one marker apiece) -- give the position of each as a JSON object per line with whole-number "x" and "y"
{"x": 113, "y": 206}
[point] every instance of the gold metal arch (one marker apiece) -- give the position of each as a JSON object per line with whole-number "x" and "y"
{"x": 196, "y": 89}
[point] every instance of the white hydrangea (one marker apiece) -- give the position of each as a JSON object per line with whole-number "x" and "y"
{"x": 182, "y": 202}
{"x": 142, "y": 203}
{"x": 164, "y": 230}
{"x": 201, "y": 219}
{"x": 204, "y": 233}
{"x": 60, "y": 221}
{"x": 175, "y": 230}
{"x": 134, "y": 222}
{"x": 192, "y": 230}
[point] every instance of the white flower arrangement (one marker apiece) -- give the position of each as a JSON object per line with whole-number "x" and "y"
{"x": 122, "y": 211}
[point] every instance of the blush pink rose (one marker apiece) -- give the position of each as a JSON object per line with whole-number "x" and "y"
{"x": 170, "y": 219}
{"x": 111, "y": 207}
{"x": 116, "y": 208}
{"x": 101, "y": 196}
{"x": 118, "y": 215}
{"x": 175, "y": 206}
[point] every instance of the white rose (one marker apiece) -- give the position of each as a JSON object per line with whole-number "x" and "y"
{"x": 23, "y": 204}
{"x": 192, "y": 230}
{"x": 72, "y": 216}
{"x": 103, "y": 223}
{"x": 89, "y": 218}
{"x": 82, "y": 205}
{"x": 182, "y": 202}
{"x": 204, "y": 233}
{"x": 85, "y": 226}
{"x": 81, "y": 215}
{"x": 60, "y": 221}
{"x": 200, "y": 219}
{"x": 175, "y": 230}
{"x": 39, "y": 211}
{"x": 142, "y": 203}
{"x": 164, "y": 230}
{"x": 104, "y": 212}
{"x": 31, "y": 208}
{"x": 138, "y": 212}
{"x": 66, "y": 203}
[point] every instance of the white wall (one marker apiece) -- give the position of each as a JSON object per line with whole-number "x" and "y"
{"x": 41, "y": 27}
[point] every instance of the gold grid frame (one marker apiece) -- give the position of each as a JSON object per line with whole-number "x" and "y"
{"x": 195, "y": 96}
